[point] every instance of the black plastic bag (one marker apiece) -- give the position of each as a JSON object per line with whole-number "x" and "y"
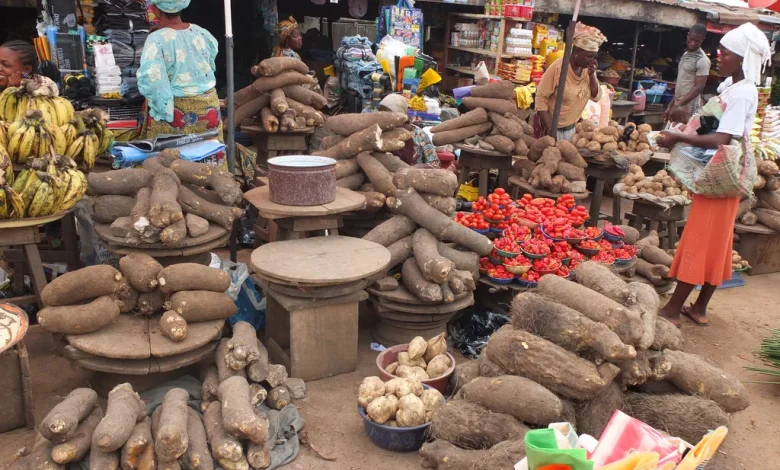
{"x": 471, "y": 331}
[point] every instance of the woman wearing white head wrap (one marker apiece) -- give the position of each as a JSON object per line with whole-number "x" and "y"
{"x": 703, "y": 256}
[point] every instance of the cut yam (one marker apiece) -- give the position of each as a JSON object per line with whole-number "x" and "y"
{"x": 352, "y": 182}
{"x": 305, "y": 96}
{"x": 521, "y": 353}
{"x": 201, "y": 305}
{"x": 567, "y": 327}
{"x": 430, "y": 181}
{"x": 80, "y": 318}
{"x": 375, "y": 202}
{"x": 125, "y": 409}
{"x": 667, "y": 336}
{"x": 524, "y": 399}
{"x": 140, "y": 270}
{"x": 471, "y": 118}
{"x": 288, "y": 77}
{"x": 377, "y": 174}
{"x": 242, "y": 347}
{"x": 694, "y": 375}
{"x": 348, "y": 124}
{"x": 434, "y": 267}
{"x": 192, "y": 276}
{"x": 411, "y": 204}
{"x": 444, "y": 204}
{"x": 76, "y": 447}
{"x": 171, "y": 439}
{"x": 413, "y": 279}
{"x": 460, "y": 134}
{"x": 471, "y": 426}
{"x": 237, "y": 412}
{"x": 507, "y": 127}
{"x": 106, "y": 209}
{"x": 80, "y": 285}
{"x": 125, "y": 182}
{"x": 390, "y": 161}
{"x": 197, "y": 455}
{"x": 224, "y": 447}
{"x": 209, "y": 176}
{"x": 173, "y": 326}
{"x": 496, "y": 105}
{"x": 366, "y": 140}
{"x": 392, "y": 230}
{"x": 61, "y": 422}
{"x": 133, "y": 449}
{"x": 219, "y": 214}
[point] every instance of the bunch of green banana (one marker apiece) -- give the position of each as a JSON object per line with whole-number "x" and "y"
{"x": 34, "y": 136}
{"x": 49, "y": 186}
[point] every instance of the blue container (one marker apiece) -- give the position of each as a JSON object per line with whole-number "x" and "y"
{"x": 500, "y": 281}
{"x": 654, "y": 98}
{"x": 667, "y": 98}
{"x": 610, "y": 237}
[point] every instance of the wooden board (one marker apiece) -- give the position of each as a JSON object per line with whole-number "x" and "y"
{"x": 762, "y": 251}
{"x": 311, "y": 293}
{"x": 660, "y": 157}
{"x": 139, "y": 366}
{"x": 525, "y": 186}
{"x": 414, "y": 317}
{"x": 479, "y": 151}
{"x": 213, "y": 233}
{"x": 346, "y": 200}
{"x": 198, "y": 335}
{"x": 294, "y": 304}
{"x": 759, "y": 229}
{"x": 402, "y": 295}
{"x": 127, "y": 338}
{"x": 32, "y": 221}
{"x": 260, "y": 130}
{"x": 166, "y": 364}
{"x": 321, "y": 261}
{"x": 171, "y": 252}
{"x": 425, "y": 309}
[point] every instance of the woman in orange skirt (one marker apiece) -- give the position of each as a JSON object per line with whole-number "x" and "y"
{"x": 704, "y": 254}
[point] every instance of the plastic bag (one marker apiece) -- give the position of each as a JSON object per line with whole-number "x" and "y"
{"x": 468, "y": 192}
{"x": 93, "y": 249}
{"x": 638, "y": 461}
{"x": 625, "y": 435}
{"x": 250, "y": 303}
{"x": 481, "y": 76}
{"x": 544, "y": 450}
{"x": 470, "y": 332}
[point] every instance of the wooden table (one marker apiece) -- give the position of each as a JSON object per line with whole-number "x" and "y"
{"x": 297, "y": 222}
{"x": 621, "y": 110}
{"x": 603, "y": 172}
{"x": 516, "y": 182}
{"x": 477, "y": 159}
{"x": 279, "y": 143}
{"x": 665, "y": 221}
{"x": 759, "y": 246}
{"x": 315, "y": 339}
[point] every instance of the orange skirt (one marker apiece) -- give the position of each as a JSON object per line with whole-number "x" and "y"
{"x": 704, "y": 252}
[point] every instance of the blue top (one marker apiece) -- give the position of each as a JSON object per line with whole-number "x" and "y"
{"x": 176, "y": 64}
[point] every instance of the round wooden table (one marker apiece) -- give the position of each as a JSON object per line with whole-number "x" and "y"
{"x": 481, "y": 160}
{"x": 296, "y": 222}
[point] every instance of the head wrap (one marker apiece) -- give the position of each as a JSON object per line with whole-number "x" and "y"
{"x": 395, "y": 102}
{"x": 283, "y": 30}
{"x": 588, "y": 38}
{"x": 171, "y": 6}
{"x": 748, "y": 42}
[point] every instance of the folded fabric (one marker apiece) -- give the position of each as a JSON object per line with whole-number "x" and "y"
{"x": 128, "y": 155}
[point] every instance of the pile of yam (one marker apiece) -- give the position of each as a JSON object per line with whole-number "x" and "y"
{"x": 400, "y": 402}
{"x": 765, "y": 210}
{"x": 282, "y": 97}
{"x": 91, "y": 298}
{"x": 169, "y": 200}
{"x": 652, "y": 264}
{"x": 578, "y": 352}
{"x": 423, "y": 360}
{"x": 555, "y": 166}
{"x": 661, "y": 184}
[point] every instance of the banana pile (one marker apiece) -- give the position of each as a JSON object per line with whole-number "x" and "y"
{"x": 50, "y": 185}
{"x": 769, "y": 149}
{"x": 16, "y": 101}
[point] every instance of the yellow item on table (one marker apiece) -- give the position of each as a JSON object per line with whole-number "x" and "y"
{"x": 525, "y": 95}
{"x": 428, "y": 78}
{"x": 417, "y": 103}
{"x": 468, "y": 192}
{"x": 704, "y": 450}
{"x": 544, "y": 46}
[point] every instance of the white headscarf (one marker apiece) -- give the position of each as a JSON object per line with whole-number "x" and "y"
{"x": 748, "y": 42}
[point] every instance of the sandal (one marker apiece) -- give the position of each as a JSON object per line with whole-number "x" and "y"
{"x": 696, "y": 319}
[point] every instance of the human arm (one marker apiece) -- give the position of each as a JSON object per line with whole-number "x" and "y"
{"x": 545, "y": 94}
{"x": 153, "y": 82}
{"x": 593, "y": 83}
{"x": 696, "y": 91}
{"x": 706, "y": 141}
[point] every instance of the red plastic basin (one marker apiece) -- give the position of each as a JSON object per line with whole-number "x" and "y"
{"x": 390, "y": 355}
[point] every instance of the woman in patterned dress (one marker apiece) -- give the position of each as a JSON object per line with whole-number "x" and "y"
{"x": 290, "y": 39}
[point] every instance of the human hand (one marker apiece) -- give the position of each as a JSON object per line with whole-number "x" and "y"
{"x": 593, "y": 65}
{"x": 667, "y": 139}
{"x": 15, "y": 79}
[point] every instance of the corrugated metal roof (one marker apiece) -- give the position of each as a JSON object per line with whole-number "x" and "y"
{"x": 733, "y": 12}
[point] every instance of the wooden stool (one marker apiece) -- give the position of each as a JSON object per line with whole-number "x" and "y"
{"x": 759, "y": 246}
{"x": 16, "y": 392}
{"x": 476, "y": 159}
{"x": 280, "y": 143}
{"x": 29, "y": 262}
{"x": 667, "y": 222}
{"x": 603, "y": 172}
{"x": 68, "y": 253}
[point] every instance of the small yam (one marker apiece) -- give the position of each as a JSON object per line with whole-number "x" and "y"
{"x": 412, "y": 372}
{"x": 224, "y": 372}
{"x": 202, "y": 305}
{"x": 125, "y": 182}
{"x": 464, "y": 260}
{"x": 278, "y": 102}
{"x": 122, "y": 227}
{"x": 501, "y": 143}
{"x": 106, "y": 209}
{"x": 173, "y": 326}
{"x": 655, "y": 273}
{"x": 349, "y": 124}
{"x": 278, "y": 398}
{"x": 140, "y": 270}
{"x": 401, "y": 386}
{"x": 196, "y": 226}
{"x": 242, "y": 347}
{"x": 192, "y": 276}
{"x": 257, "y": 394}
{"x": 460, "y": 134}
{"x": 370, "y": 389}
{"x": 438, "y": 366}
{"x": 125, "y": 409}
{"x": 83, "y": 284}
{"x": 405, "y": 360}
{"x": 77, "y": 446}
{"x": 411, "y": 411}
{"x": 61, "y": 422}
{"x": 259, "y": 455}
{"x": 305, "y": 115}
{"x": 197, "y": 455}
{"x": 269, "y": 121}
{"x": 224, "y": 447}
{"x": 80, "y": 318}
{"x": 435, "y": 268}
{"x": 516, "y": 396}
{"x": 435, "y": 346}
{"x": 237, "y": 412}
{"x": 277, "y": 374}
{"x": 139, "y": 215}
{"x": 471, "y": 426}
{"x": 136, "y": 445}
{"x": 209, "y": 384}
{"x": 150, "y": 303}
{"x": 538, "y": 148}
{"x": 127, "y": 298}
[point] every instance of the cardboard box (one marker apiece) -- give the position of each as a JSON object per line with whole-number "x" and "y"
{"x": 450, "y": 83}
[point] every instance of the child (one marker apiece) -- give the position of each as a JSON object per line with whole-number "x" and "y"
{"x": 678, "y": 118}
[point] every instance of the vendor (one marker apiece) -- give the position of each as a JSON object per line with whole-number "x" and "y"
{"x": 692, "y": 73}
{"x": 18, "y": 61}
{"x": 703, "y": 256}
{"x": 176, "y": 75}
{"x": 290, "y": 39}
{"x": 581, "y": 85}
{"x": 419, "y": 150}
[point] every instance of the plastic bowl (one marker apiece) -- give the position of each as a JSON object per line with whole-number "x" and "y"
{"x": 574, "y": 241}
{"x": 390, "y": 355}
{"x": 550, "y": 271}
{"x": 500, "y": 281}
{"x": 483, "y": 232}
{"x": 395, "y": 439}
{"x": 526, "y": 283}
{"x": 548, "y": 236}
{"x": 533, "y": 256}
{"x": 621, "y": 261}
{"x": 496, "y": 261}
{"x": 517, "y": 269}
{"x": 507, "y": 254}
{"x": 611, "y": 237}
{"x": 597, "y": 237}
{"x": 588, "y": 252}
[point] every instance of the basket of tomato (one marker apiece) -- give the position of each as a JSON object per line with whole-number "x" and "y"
{"x": 564, "y": 272}
{"x": 506, "y": 247}
{"x": 500, "y": 275}
{"x": 500, "y": 197}
{"x": 548, "y": 265}
{"x": 517, "y": 233}
{"x": 562, "y": 252}
{"x": 529, "y": 279}
{"x": 474, "y": 221}
{"x": 574, "y": 235}
{"x": 484, "y": 265}
{"x": 604, "y": 257}
{"x": 594, "y": 233}
{"x": 495, "y": 258}
{"x": 588, "y": 247}
{"x": 613, "y": 233}
{"x": 534, "y": 248}
{"x": 624, "y": 255}
{"x": 517, "y": 265}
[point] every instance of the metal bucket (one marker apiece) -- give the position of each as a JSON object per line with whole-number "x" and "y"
{"x": 302, "y": 180}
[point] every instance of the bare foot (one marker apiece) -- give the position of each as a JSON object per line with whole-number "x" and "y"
{"x": 671, "y": 315}
{"x": 696, "y": 316}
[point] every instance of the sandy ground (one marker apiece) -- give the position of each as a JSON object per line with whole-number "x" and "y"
{"x": 740, "y": 319}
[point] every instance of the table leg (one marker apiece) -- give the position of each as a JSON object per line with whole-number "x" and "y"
{"x": 617, "y": 210}
{"x": 503, "y": 179}
{"x": 595, "y": 203}
{"x": 483, "y": 182}
{"x": 35, "y": 266}
{"x": 464, "y": 175}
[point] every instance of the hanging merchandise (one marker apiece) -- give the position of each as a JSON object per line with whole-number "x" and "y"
{"x": 402, "y": 22}
{"x": 358, "y": 8}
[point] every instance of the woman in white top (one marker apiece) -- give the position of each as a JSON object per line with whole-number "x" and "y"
{"x": 704, "y": 254}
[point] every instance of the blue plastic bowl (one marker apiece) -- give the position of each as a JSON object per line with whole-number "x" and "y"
{"x": 620, "y": 261}
{"x": 610, "y": 237}
{"x": 394, "y": 438}
{"x": 483, "y": 232}
{"x": 526, "y": 283}
{"x": 500, "y": 281}
{"x": 541, "y": 227}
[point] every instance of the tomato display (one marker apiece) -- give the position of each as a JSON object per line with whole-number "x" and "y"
{"x": 593, "y": 232}
{"x": 517, "y": 261}
{"x": 563, "y": 271}
{"x": 535, "y": 247}
{"x": 472, "y": 220}
{"x": 547, "y": 265}
{"x": 622, "y": 254}
{"x": 499, "y": 272}
{"x": 561, "y": 250}
{"x": 507, "y": 245}
{"x": 530, "y": 276}
{"x": 604, "y": 257}
{"x": 614, "y": 230}
{"x": 590, "y": 245}
{"x": 517, "y": 233}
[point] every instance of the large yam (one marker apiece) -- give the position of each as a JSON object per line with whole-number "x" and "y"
{"x": 125, "y": 182}
{"x": 655, "y": 273}
{"x": 521, "y": 353}
{"x": 655, "y": 255}
{"x": 108, "y": 208}
{"x": 197, "y": 455}
{"x": 224, "y": 447}
{"x": 390, "y": 161}
{"x": 164, "y": 209}
{"x": 444, "y": 204}
{"x": 377, "y": 174}
{"x": 644, "y": 299}
{"x": 464, "y": 260}
{"x": 61, "y": 422}
{"x": 75, "y": 448}
{"x": 368, "y": 139}
{"x": 140, "y": 270}
{"x": 444, "y": 455}
{"x": 694, "y": 375}
{"x": 411, "y": 204}
{"x": 471, "y": 118}
{"x": 464, "y": 373}
{"x": 460, "y": 134}
{"x": 400, "y": 251}
{"x": 434, "y": 267}
{"x": 471, "y": 426}
{"x": 504, "y": 90}
{"x": 770, "y": 198}
{"x": 392, "y": 230}
{"x": 571, "y": 172}
{"x": 501, "y": 143}
{"x": 289, "y": 77}
{"x": 524, "y": 399}
{"x": 125, "y": 409}
{"x": 237, "y": 412}
{"x": 192, "y": 276}
{"x": 507, "y": 127}
{"x": 667, "y": 336}
{"x": 217, "y": 213}
{"x": 251, "y": 108}
{"x": 768, "y": 217}
{"x": 81, "y": 318}
{"x": 602, "y": 279}
{"x": 305, "y": 96}
{"x": 83, "y": 284}
{"x": 414, "y": 280}
{"x": 430, "y": 181}
{"x": 496, "y": 105}
{"x": 595, "y": 306}
{"x": 276, "y": 65}
{"x": 348, "y": 124}
{"x": 593, "y": 415}
{"x": 171, "y": 439}
{"x": 632, "y": 234}
{"x": 208, "y": 176}
{"x": 566, "y": 327}
{"x": 202, "y": 305}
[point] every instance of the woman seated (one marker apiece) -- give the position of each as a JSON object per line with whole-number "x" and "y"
{"x": 418, "y": 150}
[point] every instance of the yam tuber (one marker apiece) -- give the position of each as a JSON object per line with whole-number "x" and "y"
{"x": 667, "y": 336}
{"x": 566, "y": 327}
{"x": 471, "y": 118}
{"x": 570, "y": 154}
{"x": 593, "y": 415}
{"x": 632, "y": 234}
{"x": 464, "y": 373}
{"x": 400, "y": 251}
{"x": 150, "y": 302}
{"x": 516, "y": 396}
{"x": 125, "y": 182}
{"x": 768, "y": 217}
{"x": 434, "y": 267}
{"x": 209, "y": 176}
{"x": 224, "y": 447}
{"x": 83, "y": 284}
{"x": 430, "y": 181}
{"x": 770, "y": 199}
{"x": 242, "y": 347}
{"x": 694, "y": 375}
{"x": 413, "y": 279}
{"x": 346, "y": 168}
{"x": 78, "y": 445}
{"x": 521, "y": 353}
{"x": 257, "y": 394}
{"x": 197, "y": 455}
{"x": 140, "y": 270}
{"x": 602, "y": 279}
{"x": 139, "y": 215}
{"x": 504, "y": 90}
{"x": 278, "y": 102}
{"x": 507, "y": 127}
{"x": 655, "y": 273}
{"x": 124, "y": 410}
{"x": 173, "y": 326}
{"x": 276, "y": 65}
{"x": 497, "y": 105}
{"x": 444, "y": 204}
{"x": 192, "y": 276}
{"x": 259, "y": 455}
{"x": 644, "y": 299}
{"x": 571, "y": 172}
{"x": 202, "y": 305}
{"x": 349, "y": 124}
{"x": 61, "y": 422}
{"x": 237, "y": 412}
{"x": 103, "y": 460}
{"x": 288, "y": 77}
{"x": 251, "y": 108}
{"x": 307, "y": 115}
{"x": 471, "y": 426}
{"x": 80, "y": 318}
{"x": 163, "y": 207}
{"x": 501, "y": 143}
{"x": 377, "y": 174}
{"x": 269, "y": 121}
{"x": 459, "y": 134}
{"x": 464, "y": 260}
{"x": 209, "y": 384}
{"x": 539, "y": 146}
{"x": 219, "y": 214}
{"x": 390, "y": 161}
{"x": 367, "y": 139}
{"x": 655, "y": 255}
{"x": 374, "y": 202}
{"x": 392, "y": 230}
{"x": 305, "y": 96}
{"x": 106, "y": 209}
{"x": 278, "y": 398}
{"x": 352, "y": 182}
{"x": 408, "y": 202}
{"x": 134, "y": 448}
{"x": 443, "y": 455}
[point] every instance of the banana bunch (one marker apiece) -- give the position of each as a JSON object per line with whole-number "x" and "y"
{"x": 50, "y": 185}
{"x": 33, "y": 136}
{"x": 16, "y": 101}
{"x": 87, "y": 136}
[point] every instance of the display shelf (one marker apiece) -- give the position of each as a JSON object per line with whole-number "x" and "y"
{"x": 477, "y": 50}
{"x": 463, "y": 70}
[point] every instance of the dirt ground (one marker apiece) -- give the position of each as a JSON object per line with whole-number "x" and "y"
{"x": 740, "y": 318}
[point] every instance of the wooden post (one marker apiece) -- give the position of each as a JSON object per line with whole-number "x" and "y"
{"x": 633, "y": 60}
